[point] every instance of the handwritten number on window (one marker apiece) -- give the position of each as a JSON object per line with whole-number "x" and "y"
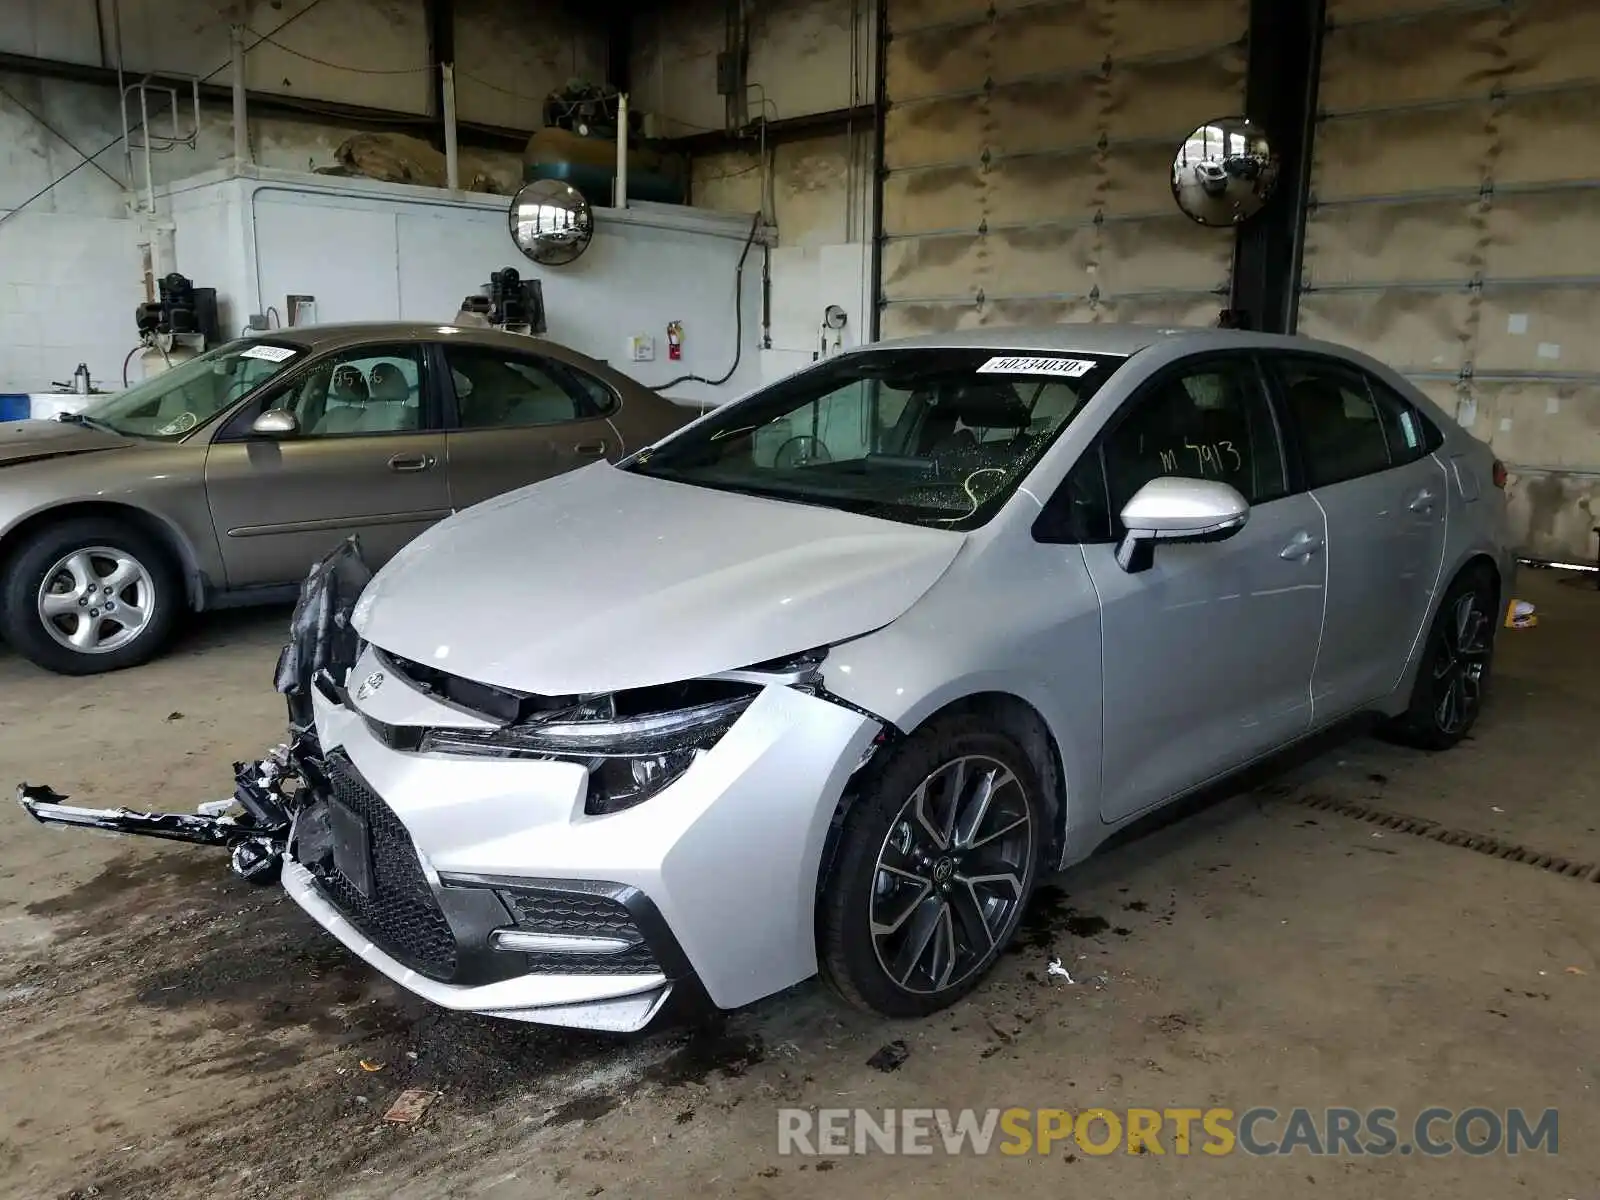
{"x": 1209, "y": 458}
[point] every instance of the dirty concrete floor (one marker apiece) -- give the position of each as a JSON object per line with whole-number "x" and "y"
{"x": 166, "y": 1030}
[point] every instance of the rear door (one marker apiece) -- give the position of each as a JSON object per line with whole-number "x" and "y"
{"x": 368, "y": 459}
{"x": 517, "y": 417}
{"x": 1207, "y": 656}
{"x": 1367, "y": 457}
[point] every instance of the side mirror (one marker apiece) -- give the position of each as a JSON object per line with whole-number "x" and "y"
{"x": 1171, "y": 508}
{"x": 276, "y": 423}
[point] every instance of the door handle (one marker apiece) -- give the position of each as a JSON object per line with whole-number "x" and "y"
{"x": 589, "y": 449}
{"x": 1423, "y": 502}
{"x": 411, "y": 462}
{"x": 1302, "y": 546}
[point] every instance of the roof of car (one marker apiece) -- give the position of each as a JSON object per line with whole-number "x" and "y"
{"x": 355, "y": 333}
{"x": 1097, "y": 338}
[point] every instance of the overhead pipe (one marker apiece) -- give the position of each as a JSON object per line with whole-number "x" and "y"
{"x": 122, "y": 91}
{"x": 241, "y": 128}
{"x": 620, "y": 190}
{"x": 452, "y": 158}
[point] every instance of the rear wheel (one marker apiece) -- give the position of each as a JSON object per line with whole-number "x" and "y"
{"x": 937, "y": 859}
{"x": 1454, "y": 672}
{"x": 90, "y": 595}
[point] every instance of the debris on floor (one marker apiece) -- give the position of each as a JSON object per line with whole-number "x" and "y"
{"x": 1056, "y": 970}
{"x": 890, "y": 1057}
{"x": 1520, "y": 615}
{"x": 410, "y": 1105}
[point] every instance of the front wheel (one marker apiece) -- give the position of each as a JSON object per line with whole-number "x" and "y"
{"x": 937, "y": 860}
{"x": 1454, "y": 672}
{"x": 88, "y": 596}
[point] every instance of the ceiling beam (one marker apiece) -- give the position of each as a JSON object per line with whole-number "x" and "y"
{"x": 359, "y": 115}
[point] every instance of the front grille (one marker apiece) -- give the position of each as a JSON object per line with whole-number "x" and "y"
{"x": 401, "y": 915}
{"x": 586, "y": 915}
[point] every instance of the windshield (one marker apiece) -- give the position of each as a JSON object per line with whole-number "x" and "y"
{"x": 170, "y": 404}
{"x": 934, "y": 437}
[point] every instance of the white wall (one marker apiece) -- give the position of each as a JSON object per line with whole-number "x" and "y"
{"x": 508, "y": 57}
{"x": 372, "y": 251}
{"x": 817, "y": 191}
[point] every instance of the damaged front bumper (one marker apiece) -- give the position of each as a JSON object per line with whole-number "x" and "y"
{"x": 254, "y": 824}
{"x": 487, "y": 884}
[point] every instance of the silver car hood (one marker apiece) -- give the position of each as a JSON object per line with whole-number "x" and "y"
{"x": 601, "y": 579}
{"x": 33, "y": 441}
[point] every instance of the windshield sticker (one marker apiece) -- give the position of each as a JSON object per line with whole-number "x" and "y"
{"x": 1071, "y": 368}
{"x": 270, "y": 353}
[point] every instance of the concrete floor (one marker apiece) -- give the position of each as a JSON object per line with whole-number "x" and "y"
{"x": 168, "y": 1030}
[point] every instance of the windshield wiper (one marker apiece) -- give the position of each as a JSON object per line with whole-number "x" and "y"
{"x": 73, "y": 418}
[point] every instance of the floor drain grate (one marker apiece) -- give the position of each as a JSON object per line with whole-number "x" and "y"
{"x": 1483, "y": 844}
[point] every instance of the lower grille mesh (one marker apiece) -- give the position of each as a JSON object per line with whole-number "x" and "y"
{"x": 583, "y": 915}
{"x": 401, "y": 915}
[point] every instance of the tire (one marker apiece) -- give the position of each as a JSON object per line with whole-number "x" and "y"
{"x": 870, "y": 918}
{"x": 1454, "y": 671}
{"x": 59, "y": 561}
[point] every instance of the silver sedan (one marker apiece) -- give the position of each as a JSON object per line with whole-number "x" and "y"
{"x": 871, "y": 649}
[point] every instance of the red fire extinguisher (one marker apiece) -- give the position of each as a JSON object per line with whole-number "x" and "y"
{"x": 675, "y": 340}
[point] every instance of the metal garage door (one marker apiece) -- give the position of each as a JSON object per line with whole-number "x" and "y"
{"x": 1455, "y": 228}
{"x": 1028, "y": 147}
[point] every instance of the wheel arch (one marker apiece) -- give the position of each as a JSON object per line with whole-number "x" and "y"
{"x": 1016, "y": 715}
{"x": 151, "y": 524}
{"x": 1008, "y": 710}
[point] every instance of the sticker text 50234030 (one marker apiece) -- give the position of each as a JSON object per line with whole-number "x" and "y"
{"x": 1071, "y": 368}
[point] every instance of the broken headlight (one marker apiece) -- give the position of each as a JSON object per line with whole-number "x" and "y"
{"x": 631, "y": 754}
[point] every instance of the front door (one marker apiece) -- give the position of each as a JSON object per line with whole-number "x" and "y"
{"x": 519, "y": 418}
{"x": 368, "y": 459}
{"x": 1367, "y": 460}
{"x": 1207, "y": 656}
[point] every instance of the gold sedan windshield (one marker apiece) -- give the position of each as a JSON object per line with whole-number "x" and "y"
{"x": 170, "y": 404}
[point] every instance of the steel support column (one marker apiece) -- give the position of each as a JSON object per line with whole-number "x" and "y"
{"x": 879, "y": 169}
{"x": 1285, "y": 43}
{"x": 440, "y": 16}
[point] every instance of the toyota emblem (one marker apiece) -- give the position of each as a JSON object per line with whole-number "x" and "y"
{"x": 369, "y": 685}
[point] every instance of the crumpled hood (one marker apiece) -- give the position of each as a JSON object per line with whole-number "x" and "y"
{"x": 32, "y": 441}
{"x": 601, "y": 579}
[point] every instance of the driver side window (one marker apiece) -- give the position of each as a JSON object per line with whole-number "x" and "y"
{"x": 361, "y": 392}
{"x": 1211, "y": 420}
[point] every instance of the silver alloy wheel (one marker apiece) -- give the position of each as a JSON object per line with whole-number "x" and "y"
{"x": 949, "y": 881}
{"x": 1459, "y": 667}
{"x": 97, "y": 600}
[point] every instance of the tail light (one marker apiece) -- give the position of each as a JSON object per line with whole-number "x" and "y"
{"x": 1499, "y": 474}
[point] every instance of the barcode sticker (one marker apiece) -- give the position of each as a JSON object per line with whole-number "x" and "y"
{"x": 1071, "y": 368}
{"x": 270, "y": 353}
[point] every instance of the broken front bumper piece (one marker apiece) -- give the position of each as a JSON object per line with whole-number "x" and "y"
{"x": 254, "y": 825}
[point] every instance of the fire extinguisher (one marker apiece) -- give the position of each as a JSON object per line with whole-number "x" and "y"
{"x": 675, "y": 340}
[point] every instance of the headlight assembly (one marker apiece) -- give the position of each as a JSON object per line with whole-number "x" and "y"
{"x": 629, "y": 759}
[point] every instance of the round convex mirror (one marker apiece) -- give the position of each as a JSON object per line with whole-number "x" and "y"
{"x": 551, "y": 222}
{"x": 1225, "y": 172}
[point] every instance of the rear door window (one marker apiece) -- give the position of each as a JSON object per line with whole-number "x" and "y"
{"x": 1347, "y": 424}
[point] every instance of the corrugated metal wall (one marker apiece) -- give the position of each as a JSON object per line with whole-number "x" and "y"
{"x": 1028, "y": 149}
{"x": 1455, "y": 228}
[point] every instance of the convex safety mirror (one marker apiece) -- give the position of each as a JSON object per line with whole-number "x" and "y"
{"x": 551, "y": 222}
{"x": 1171, "y": 508}
{"x": 1225, "y": 172}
